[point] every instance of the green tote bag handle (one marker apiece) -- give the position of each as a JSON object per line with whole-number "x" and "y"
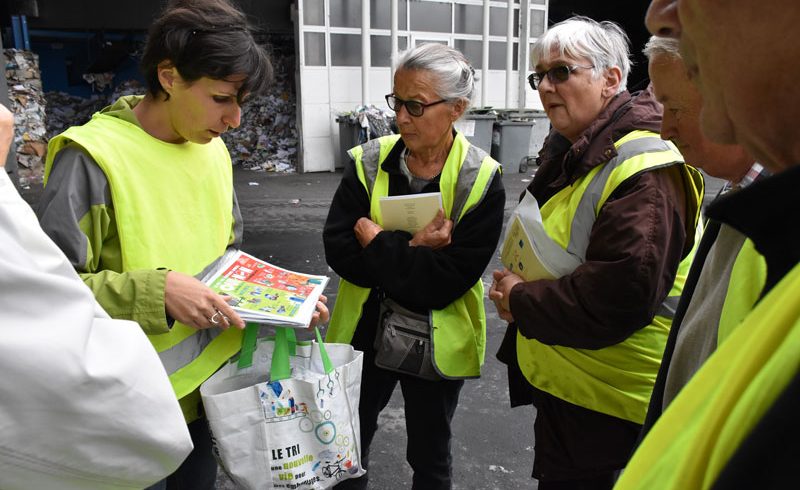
{"x": 285, "y": 346}
{"x": 250, "y": 343}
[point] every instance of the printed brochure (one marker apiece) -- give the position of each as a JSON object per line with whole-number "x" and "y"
{"x": 528, "y": 250}
{"x": 411, "y": 212}
{"x": 264, "y": 293}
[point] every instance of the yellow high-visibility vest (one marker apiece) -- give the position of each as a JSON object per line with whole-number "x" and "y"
{"x": 459, "y": 330}
{"x": 163, "y": 222}
{"x": 616, "y": 380}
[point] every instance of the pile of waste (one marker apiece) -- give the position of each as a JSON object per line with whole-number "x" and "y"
{"x": 267, "y": 137}
{"x": 65, "y": 110}
{"x": 266, "y": 140}
{"x": 28, "y": 105}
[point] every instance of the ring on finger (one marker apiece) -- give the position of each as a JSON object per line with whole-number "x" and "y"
{"x": 215, "y": 317}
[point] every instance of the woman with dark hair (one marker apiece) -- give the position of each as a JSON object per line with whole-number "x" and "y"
{"x": 141, "y": 200}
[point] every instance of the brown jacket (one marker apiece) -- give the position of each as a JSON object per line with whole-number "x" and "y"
{"x": 636, "y": 244}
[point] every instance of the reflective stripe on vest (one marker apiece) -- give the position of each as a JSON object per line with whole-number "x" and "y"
{"x": 181, "y": 228}
{"x": 459, "y": 330}
{"x": 640, "y": 151}
{"x": 725, "y": 400}
{"x": 616, "y": 380}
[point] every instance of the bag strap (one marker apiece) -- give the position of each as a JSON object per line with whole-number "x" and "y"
{"x": 248, "y": 345}
{"x": 250, "y": 341}
{"x": 323, "y": 353}
{"x": 285, "y": 344}
{"x": 280, "y": 368}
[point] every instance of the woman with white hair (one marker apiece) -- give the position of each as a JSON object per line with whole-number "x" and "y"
{"x": 585, "y": 347}
{"x": 414, "y": 302}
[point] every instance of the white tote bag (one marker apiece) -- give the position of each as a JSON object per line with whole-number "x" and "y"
{"x": 289, "y": 420}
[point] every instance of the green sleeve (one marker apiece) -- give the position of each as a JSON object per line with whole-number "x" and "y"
{"x": 77, "y": 213}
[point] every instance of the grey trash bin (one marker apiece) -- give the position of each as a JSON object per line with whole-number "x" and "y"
{"x": 349, "y": 136}
{"x": 517, "y": 141}
{"x": 477, "y": 127}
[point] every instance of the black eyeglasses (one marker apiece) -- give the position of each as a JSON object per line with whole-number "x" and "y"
{"x": 414, "y": 108}
{"x": 557, "y": 74}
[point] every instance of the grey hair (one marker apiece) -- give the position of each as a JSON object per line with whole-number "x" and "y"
{"x": 658, "y": 45}
{"x": 604, "y": 43}
{"x": 455, "y": 77}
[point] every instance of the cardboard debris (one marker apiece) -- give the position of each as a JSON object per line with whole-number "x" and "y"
{"x": 28, "y": 105}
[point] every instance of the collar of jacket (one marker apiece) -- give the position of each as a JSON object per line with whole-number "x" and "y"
{"x": 624, "y": 113}
{"x": 391, "y": 165}
{"x": 763, "y": 212}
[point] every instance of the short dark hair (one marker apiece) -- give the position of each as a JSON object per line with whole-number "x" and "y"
{"x": 205, "y": 38}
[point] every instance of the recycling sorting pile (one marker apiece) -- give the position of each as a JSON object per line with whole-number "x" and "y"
{"x": 266, "y": 139}
{"x": 65, "y": 110}
{"x": 28, "y": 105}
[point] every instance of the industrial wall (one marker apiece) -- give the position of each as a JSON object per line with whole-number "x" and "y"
{"x": 272, "y": 15}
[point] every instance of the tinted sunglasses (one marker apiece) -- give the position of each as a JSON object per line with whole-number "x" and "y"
{"x": 557, "y": 74}
{"x": 414, "y": 108}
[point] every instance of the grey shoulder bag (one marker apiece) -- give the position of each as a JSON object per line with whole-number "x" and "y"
{"x": 403, "y": 342}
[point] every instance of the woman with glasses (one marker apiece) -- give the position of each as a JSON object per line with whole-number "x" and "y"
{"x": 428, "y": 281}
{"x": 584, "y": 347}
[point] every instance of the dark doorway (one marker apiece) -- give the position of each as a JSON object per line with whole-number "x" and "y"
{"x": 627, "y": 13}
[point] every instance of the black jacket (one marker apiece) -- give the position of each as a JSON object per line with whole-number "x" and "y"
{"x": 765, "y": 212}
{"x": 418, "y": 278}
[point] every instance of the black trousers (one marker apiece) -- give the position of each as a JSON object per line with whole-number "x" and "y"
{"x": 199, "y": 470}
{"x": 429, "y": 408}
{"x": 577, "y": 448}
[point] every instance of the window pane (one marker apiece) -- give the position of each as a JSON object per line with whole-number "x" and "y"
{"x": 380, "y": 14}
{"x": 432, "y": 17}
{"x": 381, "y": 49}
{"x": 314, "y": 12}
{"x": 345, "y": 13}
{"x": 472, "y": 50}
{"x": 315, "y": 48}
{"x": 497, "y": 21}
{"x": 468, "y": 19}
{"x": 421, "y": 40}
{"x": 537, "y": 23}
{"x": 497, "y": 56}
{"x": 497, "y": 24}
{"x": 346, "y": 49}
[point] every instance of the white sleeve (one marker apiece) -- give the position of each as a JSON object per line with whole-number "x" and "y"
{"x": 84, "y": 400}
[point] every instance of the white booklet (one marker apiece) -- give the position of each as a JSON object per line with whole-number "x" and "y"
{"x": 527, "y": 249}
{"x": 411, "y": 212}
{"x": 264, "y": 293}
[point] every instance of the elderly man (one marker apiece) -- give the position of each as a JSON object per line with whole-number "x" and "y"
{"x": 727, "y": 274}
{"x": 735, "y": 424}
